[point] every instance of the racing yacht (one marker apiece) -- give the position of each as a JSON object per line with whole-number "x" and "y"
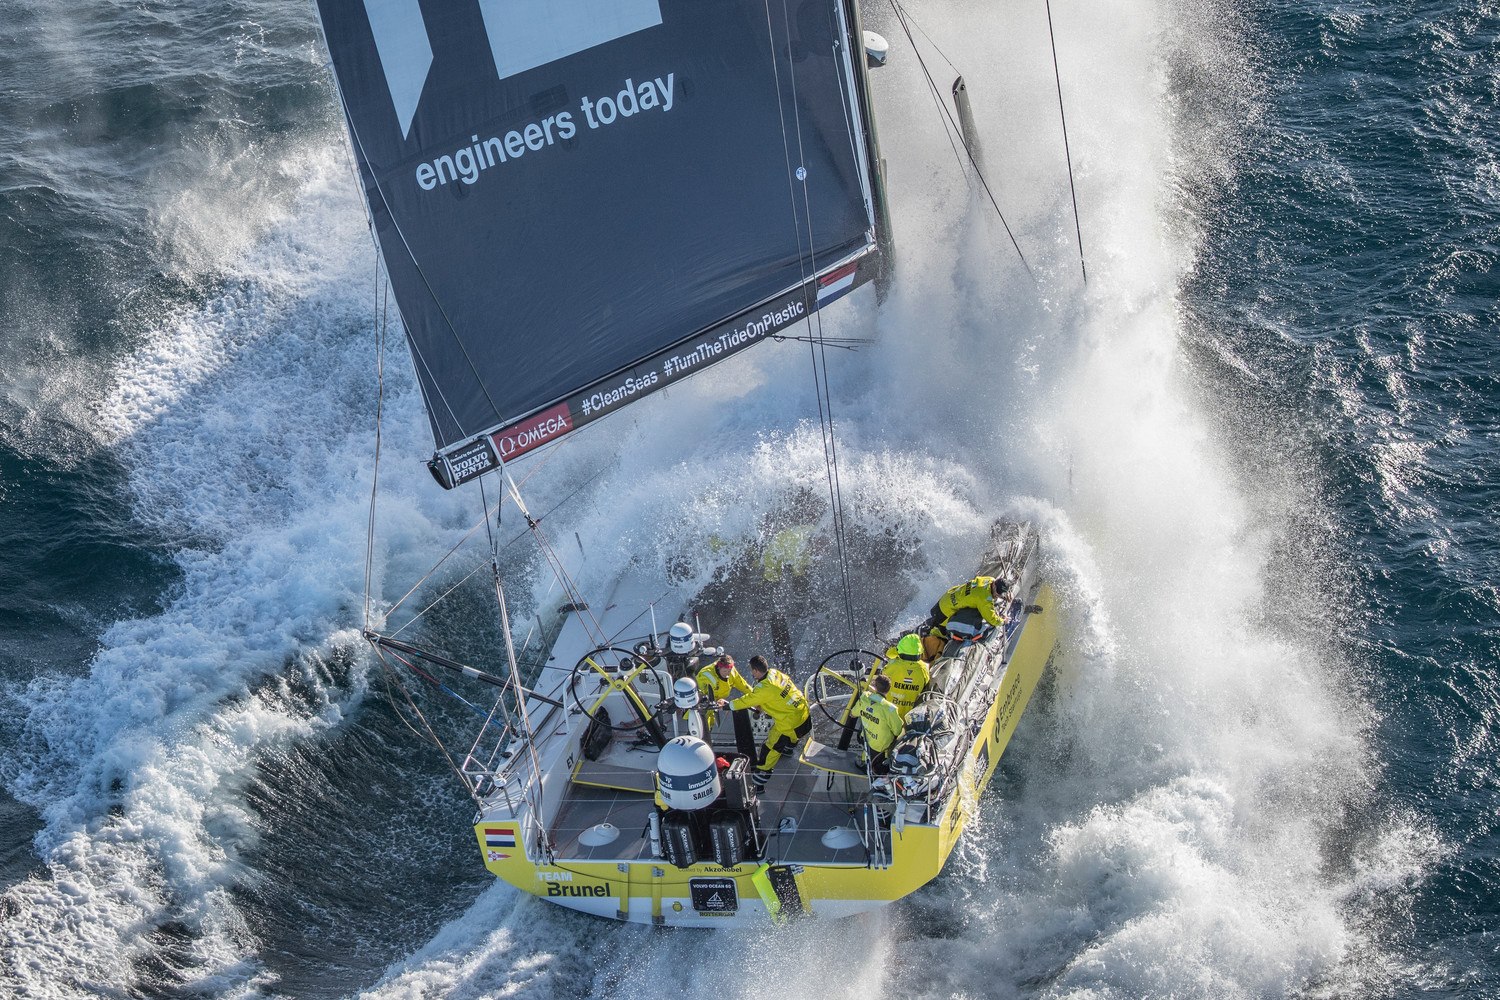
{"x": 578, "y": 205}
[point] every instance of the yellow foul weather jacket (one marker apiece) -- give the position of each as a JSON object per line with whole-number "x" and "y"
{"x": 880, "y": 720}
{"x": 908, "y": 680}
{"x": 778, "y": 697}
{"x": 713, "y": 687}
{"x": 974, "y": 594}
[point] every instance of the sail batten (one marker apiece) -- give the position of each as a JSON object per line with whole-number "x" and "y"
{"x": 580, "y": 203}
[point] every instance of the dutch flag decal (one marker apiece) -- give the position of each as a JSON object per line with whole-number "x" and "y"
{"x": 836, "y": 283}
{"x": 499, "y": 836}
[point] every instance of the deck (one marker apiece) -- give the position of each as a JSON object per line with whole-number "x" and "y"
{"x": 798, "y": 807}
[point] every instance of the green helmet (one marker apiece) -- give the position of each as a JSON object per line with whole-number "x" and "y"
{"x": 909, "y": 647}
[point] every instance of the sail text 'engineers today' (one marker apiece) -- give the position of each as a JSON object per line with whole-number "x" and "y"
{"x": 469, "y": 162}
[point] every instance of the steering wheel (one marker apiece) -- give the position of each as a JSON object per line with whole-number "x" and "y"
{"x": 608, "y": 670}
{"x": 840, "y": 679}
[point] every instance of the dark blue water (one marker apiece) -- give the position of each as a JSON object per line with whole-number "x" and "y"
{"x": 1358, "y": 258}
{"x": 1263, "y": 439}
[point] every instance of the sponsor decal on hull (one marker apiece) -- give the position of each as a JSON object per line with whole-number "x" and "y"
{"x": 1008, "y": 708}
{"x": 714, "y": 896}
{"x": 560, "y": 889}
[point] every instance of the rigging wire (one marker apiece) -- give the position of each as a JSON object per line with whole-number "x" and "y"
{"x": 389, "y": 675}
{"x": 836, "y": 492}
{"x": 391, "y": 679}
{"x": 445, "y": 689}
{"x": 432, "y": 735}
{"x": 533, "y": 787}
{"x": 495, "y": 550}
{"x": 1061, "y": 114}
{"x": 937, "y": 99}
{"x": 437, "y": 566}
{"x": 468, "y": 576}
{"x": 835, "y": 485}
{"x": 846, "y": 343}
{"x": 901, "y": 17}
{"x": 818, "y": 353}
{"x": 382, "y": 307}
{"x": 559, "y": 570}
{"x": 933, "y": 42}
{"x": 435, "y": 601}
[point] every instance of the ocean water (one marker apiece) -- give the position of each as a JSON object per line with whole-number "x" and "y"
{"x": 1260, "y": 440}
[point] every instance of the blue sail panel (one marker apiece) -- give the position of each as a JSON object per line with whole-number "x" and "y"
{"x": 568, "y": 195}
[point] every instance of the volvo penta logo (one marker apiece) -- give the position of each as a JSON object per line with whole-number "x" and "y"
{"x": 466, "y": 463}
{"x": 523, "y": 34}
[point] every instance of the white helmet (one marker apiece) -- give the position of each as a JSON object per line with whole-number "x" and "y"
{"x": 685, "y": 693}
{"x": 680, "y": 638}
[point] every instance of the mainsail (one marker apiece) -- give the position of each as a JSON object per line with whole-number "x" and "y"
{"x": 580, "y": 203}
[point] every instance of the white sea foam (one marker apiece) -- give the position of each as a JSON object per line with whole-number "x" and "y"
{"x": 246, "y": 425}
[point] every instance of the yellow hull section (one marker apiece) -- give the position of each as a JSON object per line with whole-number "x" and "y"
{"x": 656, "y": 892}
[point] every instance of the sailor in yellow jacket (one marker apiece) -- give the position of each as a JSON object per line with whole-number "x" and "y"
{"x": 985, "y": 594}
{"x": 776, "y": 695}
{"x": 718, "y": 680}
{"x": 907, "y": 671}
{"x": 880, "y": 721}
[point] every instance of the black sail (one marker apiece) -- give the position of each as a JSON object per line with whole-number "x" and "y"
{"x": 580, "y": 202}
